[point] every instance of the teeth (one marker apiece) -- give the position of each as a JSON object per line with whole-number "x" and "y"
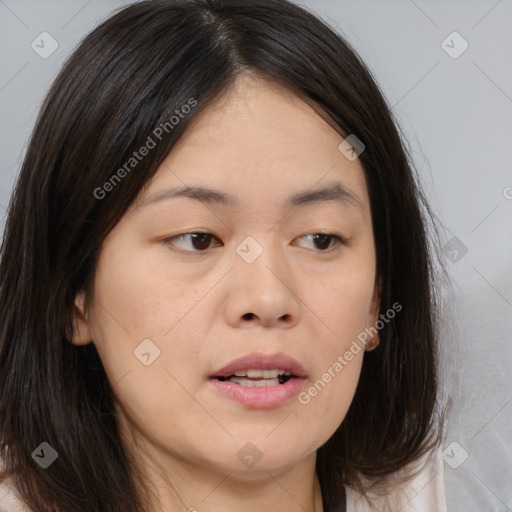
{"x": 254, "y": 383}
{"x": 261, "y": 374}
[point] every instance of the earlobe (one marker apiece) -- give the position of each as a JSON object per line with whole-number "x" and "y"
{"x": 80, "y": 332}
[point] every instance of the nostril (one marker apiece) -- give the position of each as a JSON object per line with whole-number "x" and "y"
{"x": 248, "y": 316}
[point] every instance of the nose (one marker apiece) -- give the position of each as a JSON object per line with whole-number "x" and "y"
{"x": 262, "y": 293}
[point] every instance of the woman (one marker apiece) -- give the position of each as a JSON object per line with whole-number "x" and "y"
{"x": 216, "y": 283}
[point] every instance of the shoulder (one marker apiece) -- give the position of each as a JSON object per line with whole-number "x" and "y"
{"x": 423, "y": 493}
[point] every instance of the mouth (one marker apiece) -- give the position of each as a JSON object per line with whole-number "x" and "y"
{"x": 259, "y": 381}
{"x": 256, "y": 378}
{"x": 258, "y": 370}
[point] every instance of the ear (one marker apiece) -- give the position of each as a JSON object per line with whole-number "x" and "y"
{"x": 81, "y": 334}
{"x": 373, "y": 316}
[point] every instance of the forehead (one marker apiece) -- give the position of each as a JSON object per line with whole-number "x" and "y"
{"x": 263, "y": 113}
{"x": 257, "y": 141}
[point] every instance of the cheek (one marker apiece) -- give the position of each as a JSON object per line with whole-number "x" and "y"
{"x": 341, "y": 305}
{"x": 342, "y": 302}
{"x": 134, "y": 299}
{"x": 151, "y": 396}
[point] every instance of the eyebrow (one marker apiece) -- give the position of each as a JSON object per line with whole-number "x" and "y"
{"x": 334, "y": 192}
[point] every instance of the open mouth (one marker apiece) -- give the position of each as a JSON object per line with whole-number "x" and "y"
{"x": 259, "y": 382}
{"x": 258, "y": 378}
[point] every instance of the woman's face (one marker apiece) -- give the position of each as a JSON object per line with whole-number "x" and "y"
{"x": 170, "y": 310}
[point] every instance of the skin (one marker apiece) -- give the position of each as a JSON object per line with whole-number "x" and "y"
{"x": 260, "y": 143}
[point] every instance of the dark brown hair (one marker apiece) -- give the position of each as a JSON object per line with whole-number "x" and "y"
{"x": 125, "y": 79}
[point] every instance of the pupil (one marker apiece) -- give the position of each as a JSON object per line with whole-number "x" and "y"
{"x": 202, "y": 238}
{"x": 323, "y": 239}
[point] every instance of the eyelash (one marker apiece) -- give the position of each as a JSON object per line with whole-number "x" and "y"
{"x": 338, "y": 239}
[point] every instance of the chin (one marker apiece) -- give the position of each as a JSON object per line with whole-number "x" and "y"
{"x": 253, "y": 460}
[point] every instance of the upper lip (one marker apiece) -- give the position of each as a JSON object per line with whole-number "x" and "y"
{"x": 259, "y": 361}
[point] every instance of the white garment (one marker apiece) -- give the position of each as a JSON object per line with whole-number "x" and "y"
{"x": 425, "y": 493}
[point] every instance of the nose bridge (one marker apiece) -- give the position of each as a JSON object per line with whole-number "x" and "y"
{"x": 260, "y": 258}
{"x": 262, "y": 283}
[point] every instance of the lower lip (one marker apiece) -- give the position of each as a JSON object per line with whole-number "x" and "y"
{"x": 264, "y": 397}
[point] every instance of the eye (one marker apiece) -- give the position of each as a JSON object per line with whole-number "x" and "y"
{"x": 323, "y": 240}
{"x": 200, "y": 242}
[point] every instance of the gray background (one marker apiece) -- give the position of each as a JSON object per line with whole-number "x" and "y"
{"x": 456, "y": 114}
